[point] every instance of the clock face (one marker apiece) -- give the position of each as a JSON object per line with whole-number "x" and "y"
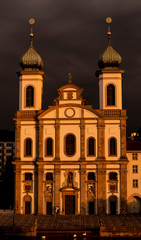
{"x": 32, "y": 21}
{"x": 69, "y": 112}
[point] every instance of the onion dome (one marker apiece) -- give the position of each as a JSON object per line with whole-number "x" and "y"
{"x": 109, "y": 58}
{"x": 31, "y": 60}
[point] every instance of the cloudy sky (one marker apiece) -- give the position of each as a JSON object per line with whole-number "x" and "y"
{"x": 69, "y": 36}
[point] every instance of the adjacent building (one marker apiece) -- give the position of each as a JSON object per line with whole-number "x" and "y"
{"x": 7, "y": 148}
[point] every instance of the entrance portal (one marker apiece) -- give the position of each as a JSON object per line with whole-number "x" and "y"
{"x": 27, "y": 207}
{"x": 91, "y": 207}
{"x": 113, "y": 204}
{"x": 69, "y": 204}
{"x": 49, "y": 208}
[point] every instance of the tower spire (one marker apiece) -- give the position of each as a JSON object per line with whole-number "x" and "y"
{"x": 109, "y": 20}
{"x": 31, "y": 22}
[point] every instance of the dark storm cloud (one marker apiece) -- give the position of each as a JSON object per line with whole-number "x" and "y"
{"x": 69, "y": 36}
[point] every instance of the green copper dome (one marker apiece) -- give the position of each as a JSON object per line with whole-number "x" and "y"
{"x": 109, "y": 58}
{"x": 31, "y": 60}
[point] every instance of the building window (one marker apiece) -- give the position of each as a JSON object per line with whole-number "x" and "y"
{"x": 49, "y": 176}
{"x": 91, "y": 146}
{"x": 134, "y": 156}
{"x": 113, "y": 147}
{"x": 29, "y": 96}
{"x": 110, "y": 95}
{"x": 28, "y": 176}
{"x": 113, "y": 176}
{"x": 135, "y": 183}
{"x": 135, "y": 168}
{"x": 28, "y": 147}
{"x": 91, "y": 176}
{"x": 70, "y": 145}
{"x": 49, "y": 147}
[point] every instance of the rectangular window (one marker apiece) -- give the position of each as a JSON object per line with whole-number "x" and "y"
{"x": 134, "y": 156}
{"x": 135, "y": 183}
{"x": 28, "y": 176}
{"x": 135, "y": 168}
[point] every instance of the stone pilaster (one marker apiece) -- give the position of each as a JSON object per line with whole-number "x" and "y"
{"x": 101, "y": 188}
{"x": 17, "y": 140}
{"x": 123, "y": 138}
{"x": 57, "y": 178}
{"x": 18, "y": 188}
{"x": 40, "y": 188}
{"x": 57, "y": 140}
{"x": 40, "y": 141}
{"x": 82, "y": 136}
{"x": 123, "y": 190}
{"x": 83, "y": 189}
{"x": 101, "y": 139}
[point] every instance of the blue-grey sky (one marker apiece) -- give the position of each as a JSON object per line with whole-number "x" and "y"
{"x": 69, "y": 36}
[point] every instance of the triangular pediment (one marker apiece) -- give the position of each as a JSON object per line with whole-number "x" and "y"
{"x": 69, "y": 111}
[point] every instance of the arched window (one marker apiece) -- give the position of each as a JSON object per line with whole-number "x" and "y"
{"x": 49, "y": 147}
{"x": 91, "y": 146}
{"x": 91, "y": 176}
{"x": 113, "y": 146}
{"x": 70, "y": 145}
{"x": 112, "y": 176}
{"x": 29, "y": 96}
{"x": 49, "y": 176}
{"x": 70, "y": 178}
{"x": 28, "y": 147}
{"x": 110, "y": 95}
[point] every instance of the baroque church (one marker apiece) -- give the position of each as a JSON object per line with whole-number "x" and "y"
{"x": 70, "y": 158}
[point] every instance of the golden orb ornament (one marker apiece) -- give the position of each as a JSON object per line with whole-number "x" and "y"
{"x": 108, "y": 19}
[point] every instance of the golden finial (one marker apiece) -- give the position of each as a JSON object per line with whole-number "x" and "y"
{"x": 31, "y": 22}
{"x": 70, "y": 77}
{"x": 109, "y": 20}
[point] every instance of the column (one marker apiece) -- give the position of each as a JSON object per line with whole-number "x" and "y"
{"x": 123, "y": 190}
{"x": 18, "y": 188}
{"x": 82, "y": 136}
{"x": 17, "y": 140}
{"x": 123, "y": 138}
{"x": 57, "y": 140}
{"x": 57, "y": 177}
{"x": 101, "y": 188}
{"x": 101, "y": 169}
{"x": 101, "y": 139}
{"x": 40, "y": 141}
{"x": 83, "y": 189}
{"x": 40, "y": 188}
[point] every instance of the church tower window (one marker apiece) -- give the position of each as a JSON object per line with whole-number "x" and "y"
{"x": 113, "y": 146}
{"x": 49, "y": 147}
{"x": 110, "y": 95}
{"x": 29, "y": 96}
{"x": 70, "y": 145}
{"x": 91, "y": 146}
{"x": 28, "y": 147}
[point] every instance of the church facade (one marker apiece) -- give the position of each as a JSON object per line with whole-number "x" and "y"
{"x": 70, "y": 158}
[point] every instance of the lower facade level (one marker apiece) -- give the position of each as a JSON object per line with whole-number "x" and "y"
{"x": 70, "y": 189}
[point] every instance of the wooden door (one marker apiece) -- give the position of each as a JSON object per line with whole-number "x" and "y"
{"x": 69, "y": 204}
{"x": 49, "y": 208}
{"x": 112, "y": 207}
{"x": 27, "y": 207}
{"x": 91, "y": 207}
